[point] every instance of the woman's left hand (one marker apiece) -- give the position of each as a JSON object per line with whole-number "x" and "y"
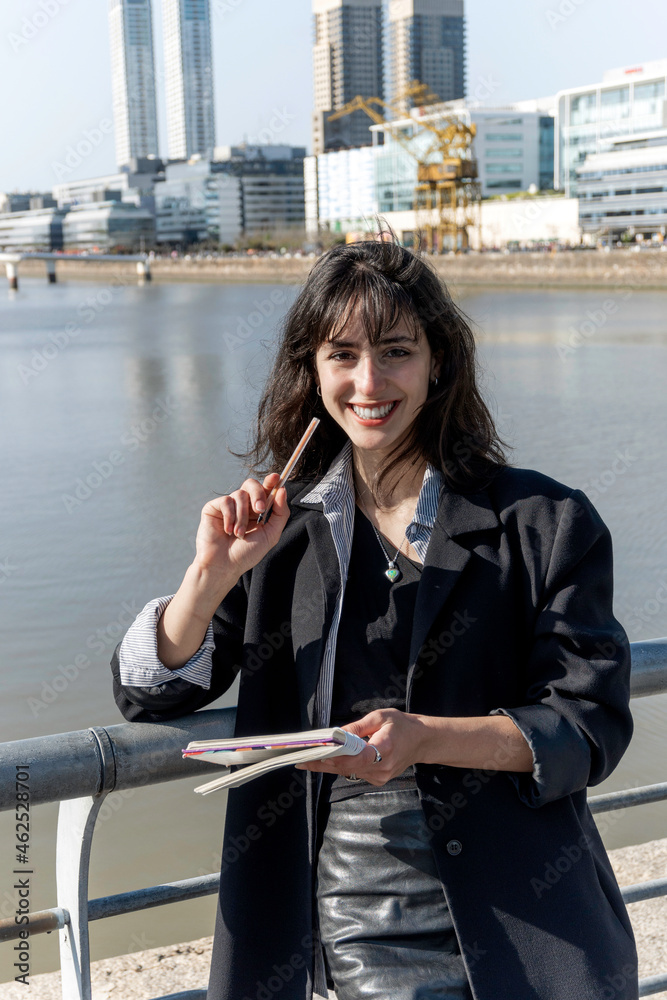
{"x": 398, "y": 737}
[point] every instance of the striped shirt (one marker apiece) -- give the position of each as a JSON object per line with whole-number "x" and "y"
{"x": 138, "y": 659}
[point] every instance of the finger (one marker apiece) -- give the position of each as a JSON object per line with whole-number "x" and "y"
{"x": 271, "y": 480}
{"x": 242, "y": 503}
{"x": 257, "y": 493}
{"x": 236, "y": 503}
{"x": 367, "y": 726}
{"x": 270, "y": 483}
{"x": 222, "y": 510}
{"x": 280, "y": 509}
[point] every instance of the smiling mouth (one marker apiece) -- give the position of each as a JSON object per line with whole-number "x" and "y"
{"x": 374, "y": 412}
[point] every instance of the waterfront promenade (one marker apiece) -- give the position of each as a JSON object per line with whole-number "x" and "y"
{"x": 574, "y": 269}
{"x": 158, "y": 972}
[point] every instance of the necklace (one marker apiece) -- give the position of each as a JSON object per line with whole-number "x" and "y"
{"x": 392, "y": 571}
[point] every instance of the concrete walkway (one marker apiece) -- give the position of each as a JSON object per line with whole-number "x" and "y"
{"x": 145, "y": 975}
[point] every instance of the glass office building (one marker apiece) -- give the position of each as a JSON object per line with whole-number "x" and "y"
{"x": 188, "y": 78}
{"x": 36, "y": 229}
{"x": 629, "y": 103}
{"x": 246, "y": 191}
{"x": 623, "y": 193}
{"x": 133, "y": 79}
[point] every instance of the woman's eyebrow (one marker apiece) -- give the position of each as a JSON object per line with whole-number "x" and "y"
{"x": 384, "y": 340}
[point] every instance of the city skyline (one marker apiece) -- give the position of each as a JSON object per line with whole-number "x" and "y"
{"x": 57, "y": 68}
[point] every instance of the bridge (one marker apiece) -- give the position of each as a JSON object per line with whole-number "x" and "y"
{"x": 12, "y": 261}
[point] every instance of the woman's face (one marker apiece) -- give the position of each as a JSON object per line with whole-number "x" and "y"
{"x": 375, "y": 393}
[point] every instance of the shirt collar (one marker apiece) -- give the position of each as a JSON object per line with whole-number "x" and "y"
{"x": 338, "y": 481}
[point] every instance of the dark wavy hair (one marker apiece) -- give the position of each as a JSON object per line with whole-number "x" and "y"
{"x": 381, "y": 282}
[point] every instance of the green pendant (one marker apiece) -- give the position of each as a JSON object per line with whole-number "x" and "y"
{"x": 392, "y": 574}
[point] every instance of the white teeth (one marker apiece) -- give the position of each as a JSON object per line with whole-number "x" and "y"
{"x": 372, "y": 413}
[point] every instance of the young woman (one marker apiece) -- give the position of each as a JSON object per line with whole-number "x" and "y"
{"x": 413, "y": 588}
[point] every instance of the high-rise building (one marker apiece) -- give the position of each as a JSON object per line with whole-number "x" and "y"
{"x": 627, "y": 107}
{"x": 427, "y": 43}
{"x": 133, "y": 79}
{"x": 188, "y": 78}
{"x": 347, "y": 60}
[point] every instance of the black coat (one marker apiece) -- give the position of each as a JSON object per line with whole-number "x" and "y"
{"x": 513, "y": 615}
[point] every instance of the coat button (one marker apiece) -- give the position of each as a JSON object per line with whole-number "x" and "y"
{"x": 454, "y": 847}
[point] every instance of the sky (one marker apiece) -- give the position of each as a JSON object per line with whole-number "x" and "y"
{"x": 55, "y": 73}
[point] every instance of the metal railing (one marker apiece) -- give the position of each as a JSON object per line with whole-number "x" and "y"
{"x": 80, "y": 769}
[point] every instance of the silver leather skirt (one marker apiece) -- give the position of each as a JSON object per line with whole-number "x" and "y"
{"x": 385, "y": 924}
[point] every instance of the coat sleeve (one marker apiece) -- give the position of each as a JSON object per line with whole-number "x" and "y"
{"x": 175, "y": 698}
{"x": 576, "y": 715}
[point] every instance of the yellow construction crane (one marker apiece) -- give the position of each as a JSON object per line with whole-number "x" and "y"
{"x": 447, "y": 186}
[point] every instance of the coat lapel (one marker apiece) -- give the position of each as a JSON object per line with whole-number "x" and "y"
{"x": 459, "y": 517}
{"x": 316, "y": 592}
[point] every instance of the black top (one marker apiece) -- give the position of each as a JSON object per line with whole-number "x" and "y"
{"x": 373, "y": 643}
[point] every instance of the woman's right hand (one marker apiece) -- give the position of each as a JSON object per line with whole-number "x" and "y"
{"x": 229, "y": 540}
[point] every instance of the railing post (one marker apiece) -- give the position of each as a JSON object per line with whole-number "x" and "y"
{"x": 51, "y": 271}
{"x": 76, "y": 824}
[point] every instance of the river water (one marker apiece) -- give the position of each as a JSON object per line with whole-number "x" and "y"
{"x": 119, "y": 404}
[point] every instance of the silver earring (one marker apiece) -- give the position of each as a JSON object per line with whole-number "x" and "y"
{"x": 434, "y": 383}
{"x": 319, "y": 391}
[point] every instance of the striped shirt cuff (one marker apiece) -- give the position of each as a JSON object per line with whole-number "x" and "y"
{"x": 139, "y": 663}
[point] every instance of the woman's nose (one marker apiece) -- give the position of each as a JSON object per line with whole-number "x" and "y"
{"x": 369, "y": 376}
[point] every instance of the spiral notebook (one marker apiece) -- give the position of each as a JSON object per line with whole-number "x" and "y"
{"x": 262, "y": 754}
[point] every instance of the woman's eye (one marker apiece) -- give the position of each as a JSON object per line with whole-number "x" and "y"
{"x": 394, "y": 352}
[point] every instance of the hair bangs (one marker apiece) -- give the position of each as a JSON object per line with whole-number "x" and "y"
{"x": 375, "y": 300}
